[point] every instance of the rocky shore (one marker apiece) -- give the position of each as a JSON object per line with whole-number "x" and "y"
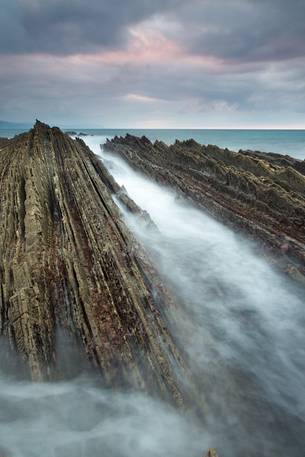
{"x": 4, "y": 142}
{"x": 259, "y": 194}
{"x": 68, "y": 264}
{"x": 75, "y": 283}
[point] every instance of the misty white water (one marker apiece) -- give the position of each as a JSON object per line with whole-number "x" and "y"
{"x": 241, "y": 324}
{"x": 76, "y": 419}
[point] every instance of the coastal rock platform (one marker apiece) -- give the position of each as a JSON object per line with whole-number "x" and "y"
{"x": 69, "y": 265}
{"x": 261, "y": 195}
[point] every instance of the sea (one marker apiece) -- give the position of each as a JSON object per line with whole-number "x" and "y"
{"x": 239, "y": 322}
{"x": 291, "y": 142}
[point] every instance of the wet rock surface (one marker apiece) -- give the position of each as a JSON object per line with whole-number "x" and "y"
{"x": 68, "y": 264}
{"x": 260, "y": 194}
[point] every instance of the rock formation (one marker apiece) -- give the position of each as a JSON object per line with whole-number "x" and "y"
{"x": 211, "y": 453}
{"x": 68, "y": 263}
{"x": 4, "y": 142}
{"x": 261, "y": 195}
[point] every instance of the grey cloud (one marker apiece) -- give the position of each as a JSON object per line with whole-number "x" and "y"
{"x": 246, "y": 34}
{"x": 70, "y": 26}
{"x": 236, "y": 30}
{"x": 244, "y": 30}
{"x": 60, "y": 92}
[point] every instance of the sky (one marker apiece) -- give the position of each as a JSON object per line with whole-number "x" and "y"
{"x": 153, "y": 63}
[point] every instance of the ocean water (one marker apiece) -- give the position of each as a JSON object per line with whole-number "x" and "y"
{"x": 239, "y": 321}
{"x": 291, "y": 142}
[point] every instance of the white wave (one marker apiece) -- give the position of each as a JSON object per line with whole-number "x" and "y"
{"x": 241, "y": 323}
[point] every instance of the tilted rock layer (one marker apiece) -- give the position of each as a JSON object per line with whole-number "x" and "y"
{"x": 260, "y": 194}
{"x": 4, "y": 142}
{"x": 67, "y": 261}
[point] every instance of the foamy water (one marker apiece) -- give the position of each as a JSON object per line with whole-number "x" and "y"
{"x": 75, "y": 418}
{"x": 241, "y": 324}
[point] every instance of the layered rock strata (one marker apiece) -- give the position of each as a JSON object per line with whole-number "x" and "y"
{"x": 3, "y": 142}
{"x": 68, "y": 263}
{"x": 259, "y": 194}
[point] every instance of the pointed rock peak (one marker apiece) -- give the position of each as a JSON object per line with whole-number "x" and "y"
{"x": 40, "y": 129}
{"x": 211, "y": 453}
{"x": 145, "y": 140}
{"x": 38, "y": 123}
{"x": 40, "y": 126}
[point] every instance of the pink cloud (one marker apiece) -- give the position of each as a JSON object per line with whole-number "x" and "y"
{"x": 148, "y": 46}
{"x": 141, "y": 98}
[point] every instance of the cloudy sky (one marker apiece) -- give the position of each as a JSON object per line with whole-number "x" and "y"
{"x": 154, "y": 63}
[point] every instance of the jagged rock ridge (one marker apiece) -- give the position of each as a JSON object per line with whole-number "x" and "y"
{"x": 260, "y": 194}
{"x": 68, "y": 261}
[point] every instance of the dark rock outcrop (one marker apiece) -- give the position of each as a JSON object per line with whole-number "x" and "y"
{"x": 211, "y": 453}
{"x": 68, "y": 262}
{"x": 260, "y": 194}
{"x": 4, "y": 142}
{"x": 74, "y": 133}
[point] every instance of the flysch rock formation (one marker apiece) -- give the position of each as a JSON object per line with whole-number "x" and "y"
{"x": 211, "y": 453}
{"x": 69, "y": 263}
{"x": 3, "y": 142}
{"x": 259, "y": 194}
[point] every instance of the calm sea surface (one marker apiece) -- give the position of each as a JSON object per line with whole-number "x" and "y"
{"x": 290, "y": 142}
